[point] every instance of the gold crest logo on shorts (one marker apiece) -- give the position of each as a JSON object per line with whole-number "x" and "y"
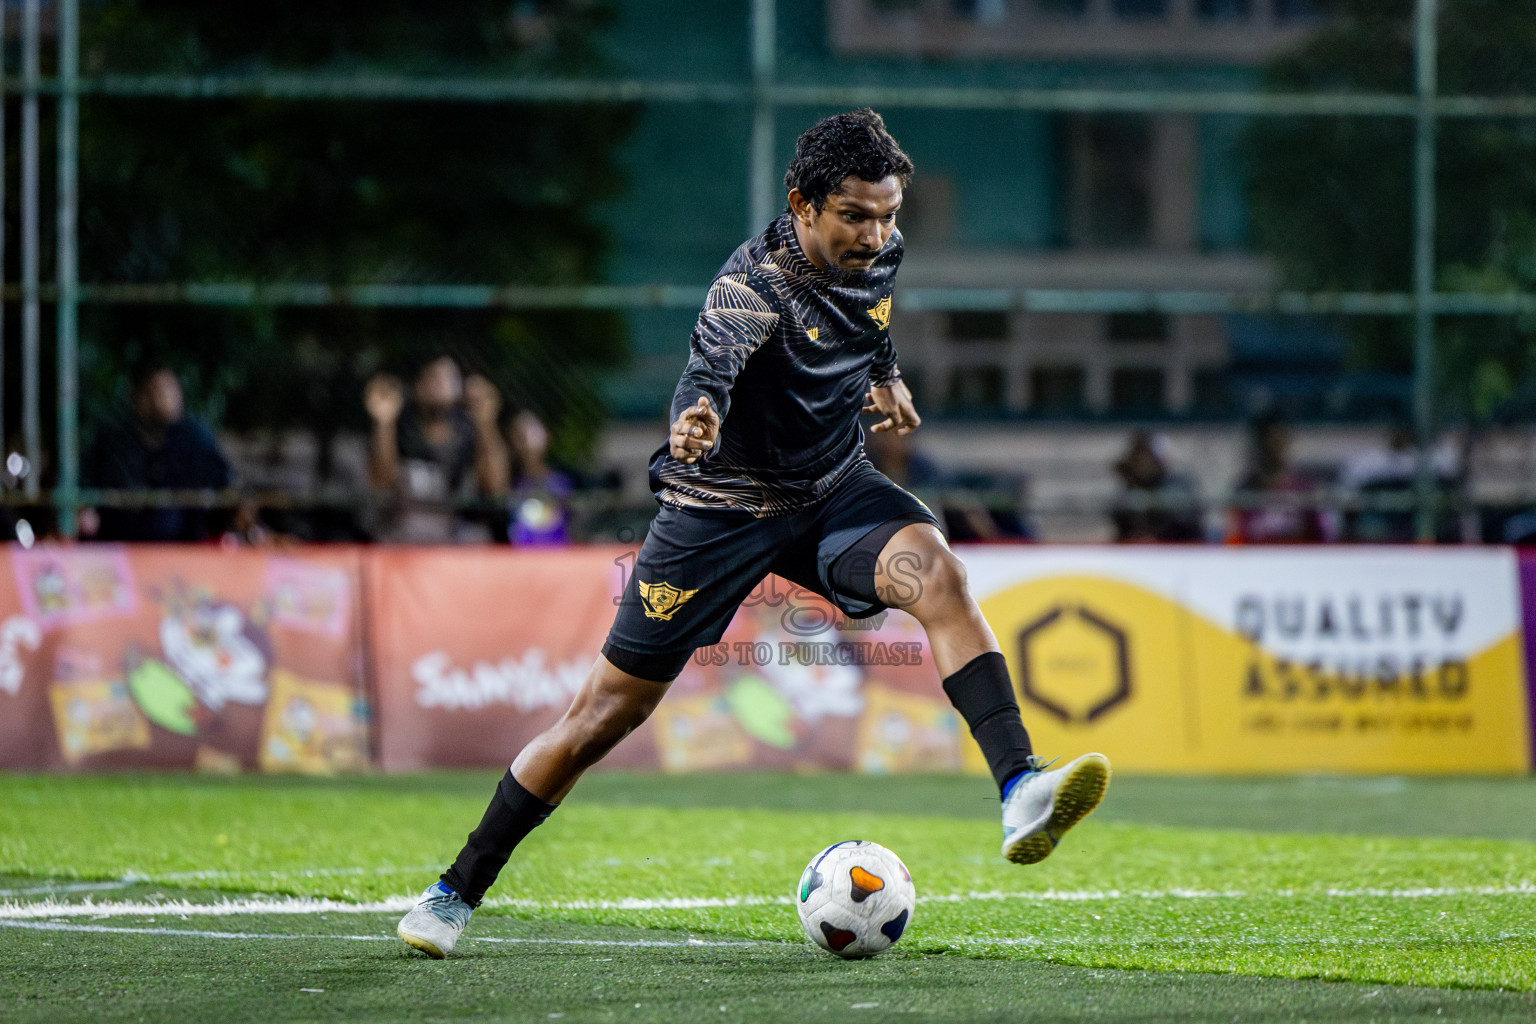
{"x": 662, "y": 599}
{"x": 880, "y": 312}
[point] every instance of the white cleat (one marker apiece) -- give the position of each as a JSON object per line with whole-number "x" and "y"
{"x": 1044, "y": 804}
{"x": 436, "y": 921}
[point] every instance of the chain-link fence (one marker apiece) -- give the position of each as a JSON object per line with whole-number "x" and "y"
{"x": 1127, "y": 212}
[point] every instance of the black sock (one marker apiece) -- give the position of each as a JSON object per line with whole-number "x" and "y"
{"x": 983, "y": 694}
{"x": 513, "y": 813}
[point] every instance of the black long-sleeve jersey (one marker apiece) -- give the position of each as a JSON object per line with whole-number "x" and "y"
{"x": 785, "y": 353}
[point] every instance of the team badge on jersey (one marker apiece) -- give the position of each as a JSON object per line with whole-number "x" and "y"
{"x": 880, "y": 313}
{"x": 662, "y": 600}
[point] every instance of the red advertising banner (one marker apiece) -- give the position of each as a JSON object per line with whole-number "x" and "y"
{"x": 332, "y": 659}
{"x": 795, "y": 684}
{"x": 475, "y": 652}
{"x": 175, "y": 657}
{"x": 164, "y": 656}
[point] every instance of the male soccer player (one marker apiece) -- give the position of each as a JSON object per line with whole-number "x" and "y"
{"x": 764, "y": 472}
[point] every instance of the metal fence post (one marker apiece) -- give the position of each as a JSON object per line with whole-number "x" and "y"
{"x": 1426, "y": 45}
{"x": 31, "y": 309}
{"x": 760, "y": 183}
{"x": 3, "y": 35}
{"x": 65, "y": 259}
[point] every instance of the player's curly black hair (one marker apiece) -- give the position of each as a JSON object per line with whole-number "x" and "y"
{"x": 855, "y": 143}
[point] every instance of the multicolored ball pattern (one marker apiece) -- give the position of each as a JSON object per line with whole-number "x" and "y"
{"x": 855, "y": 899}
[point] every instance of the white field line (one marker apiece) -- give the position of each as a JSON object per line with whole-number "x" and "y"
{"x": 968, "y": 942}
{"x": 1086, "y": 896}
{"x": 51, "y": 908}
{"x": 199, "y": 876}
{"x": 1245, "y": 941}
{"x": 133, "y": 878}
{"x": 43, "y": 890}
{"x": 55, "y": 926}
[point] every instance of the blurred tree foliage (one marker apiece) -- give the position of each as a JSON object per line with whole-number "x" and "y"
{"x": 1333, "y": 196}
{"x": 345, "y": 192}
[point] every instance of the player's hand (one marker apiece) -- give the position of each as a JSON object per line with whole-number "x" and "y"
{"x": 694, "y": 432}
{"x": 383, "y": 397}
{"x": 895, "y": 404}
{"x": 481, "y": 400}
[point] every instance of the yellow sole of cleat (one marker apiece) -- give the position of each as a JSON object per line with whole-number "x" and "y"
{"x": 1077, "y": 796}
{"x": 417, "y": 942}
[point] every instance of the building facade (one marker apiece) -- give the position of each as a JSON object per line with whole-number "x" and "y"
{"x": 1001, "y": 199}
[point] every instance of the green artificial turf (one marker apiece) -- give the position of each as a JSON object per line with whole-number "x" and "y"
{"x": 1146, "y": 912}
{"x": 53, "y": 976}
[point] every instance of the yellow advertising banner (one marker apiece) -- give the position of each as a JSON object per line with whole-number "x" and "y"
{"x": 1371, "y": 660}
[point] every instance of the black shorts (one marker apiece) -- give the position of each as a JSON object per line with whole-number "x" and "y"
{"x": 698, "y": 565}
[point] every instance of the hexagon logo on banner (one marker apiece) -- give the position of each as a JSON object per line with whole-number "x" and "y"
{"x": 1074, "y": 664}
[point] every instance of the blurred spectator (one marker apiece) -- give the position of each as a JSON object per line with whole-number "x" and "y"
{"x": 1279, "y": 512}
{"x": 439, "y": 445}
{"x": 1391, "y": 473}
{"x": 1156, "y": 504}
{"x": 154, "y": 447}
{"x": 965, "y": 517}
{"x": 540, "y": 499}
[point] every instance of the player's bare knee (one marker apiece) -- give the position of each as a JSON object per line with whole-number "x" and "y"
{"x": 940, "y": 586}
{"x": 943, "y": 577}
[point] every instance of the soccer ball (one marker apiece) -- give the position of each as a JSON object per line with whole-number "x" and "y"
{"x": 855, "y": 899}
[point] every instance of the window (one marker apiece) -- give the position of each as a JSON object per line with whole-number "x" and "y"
{"x": 927, "y": 214}
{"x": 977, "y": 390}
{"x": 1291, "y": 11}
{"x": 1136, "y": 392}
{"x": 1141, "y": 8}
{"x": 1224, "y": 10}
{"x": 1222, "y": 33}
{"x": 1136, "y": 327}
{"x": 1212, "y": 393}
{"x": 1057, "y": 390}
{"x": 982, "y": 326}
{"x": 988, "y": 11}
{"x": 1109, "y": 176}
{"x": 1062, "y": 8}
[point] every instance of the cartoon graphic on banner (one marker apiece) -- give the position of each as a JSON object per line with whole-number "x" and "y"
{"x": 313, "y": 598}
{"x": 92, "y": 715}
{"x": 787, "y": 658}
{"x": 164, "y": 657}
{"x": 762, "y": 712}
{"x": 65, "y": 586}
{"x": 214, "y": 647}
{"x": 903, "y": 732}
{"x": 95, "y": 716}
{"x": 311, "y": 727}
{"x": 797, "y": 677}
{"x": 164, "y": 698}
{"x": 208, "y": 679}
{"x": 700, "y": 734}
{"x": 17, "y": 634}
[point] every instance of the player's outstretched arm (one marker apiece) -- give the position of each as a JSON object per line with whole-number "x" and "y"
{"x": 694, "y": 432}
{"x": 895, "y": 404}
